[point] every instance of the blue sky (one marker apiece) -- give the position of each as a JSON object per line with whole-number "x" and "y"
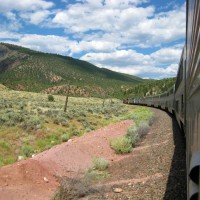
{"x": 139, "y": 37}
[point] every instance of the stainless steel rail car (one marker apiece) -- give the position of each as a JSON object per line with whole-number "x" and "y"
{"x": 132, "y": 100}
{"x": 183, "y": 99}
{"x": 179, "y": 93}
{"x": 164, "y": 101}
{"x": 170, "y": 100}
{"x": 192, "y": 98}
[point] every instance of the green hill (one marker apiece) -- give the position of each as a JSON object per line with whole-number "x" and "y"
{"x": 150, "y": 88}
{"x": 29, "y": 70}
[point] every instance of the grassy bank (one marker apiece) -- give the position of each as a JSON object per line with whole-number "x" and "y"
{"x": 30, "y": 123}
{"x": 143, "y": 118}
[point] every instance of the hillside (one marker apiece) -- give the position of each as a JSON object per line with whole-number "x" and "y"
{"x": 28, "y": 70}
{"x": 151, "y": 87}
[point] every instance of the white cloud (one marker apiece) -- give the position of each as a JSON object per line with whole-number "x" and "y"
{"x": 123, "y": 21}
{"x": 123, "y": 3}
{"x": 167, "y": 55}
{"x": 162, "y": 63}
{"x": 9, "y": 5}
{"x": 120, "y": 58}
{"x": 147, "y": 71}
{"x": 120, "y": 22}
{"x": 164, "y": 27}
{"x": 94, "y": 46}
{"x": 83, "y": 17}
{"x": 9, "y": 35}
{"x": 10, "y": 15}
{"x": 31, "y": 11}
{"x": 14, "y": 26}
{"x": 36, "y": 17}
{"x": 47, "y": 43}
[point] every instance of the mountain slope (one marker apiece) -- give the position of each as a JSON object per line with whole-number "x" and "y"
{"x": 25, "y": 69}
{"x": 151, "y": 87}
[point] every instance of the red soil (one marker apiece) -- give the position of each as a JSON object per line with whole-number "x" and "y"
{"x": 36, "y": 178}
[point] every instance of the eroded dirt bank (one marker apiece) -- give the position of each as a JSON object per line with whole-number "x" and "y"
{"x": 36, "y": 178}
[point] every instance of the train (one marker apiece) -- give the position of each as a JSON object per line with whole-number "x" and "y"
{"x": 183, "y": 98}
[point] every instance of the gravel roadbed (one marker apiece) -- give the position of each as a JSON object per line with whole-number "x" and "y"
{"x": 155, "y": 169}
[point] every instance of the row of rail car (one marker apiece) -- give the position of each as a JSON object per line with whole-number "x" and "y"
{"x": 183, "y": 99}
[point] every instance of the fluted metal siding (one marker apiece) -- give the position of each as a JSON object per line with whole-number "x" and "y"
{"x": 193, "y": 95}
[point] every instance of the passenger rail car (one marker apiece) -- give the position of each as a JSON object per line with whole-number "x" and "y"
{"x": 183, "y": 99}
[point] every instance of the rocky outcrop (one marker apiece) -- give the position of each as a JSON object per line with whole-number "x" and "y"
{"x": 9, "y": 58}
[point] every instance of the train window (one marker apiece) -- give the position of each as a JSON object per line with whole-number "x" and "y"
{"x": 182, "y": 105}
{"x": 176, "y": 106}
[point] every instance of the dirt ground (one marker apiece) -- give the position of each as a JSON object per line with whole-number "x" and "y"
{"x": 154, "y": 170}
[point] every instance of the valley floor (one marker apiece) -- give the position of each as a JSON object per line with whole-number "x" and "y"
{"x": 154, "y": 170}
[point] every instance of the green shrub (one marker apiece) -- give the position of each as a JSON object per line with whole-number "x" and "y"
{"x": 11, "y": 118}
{"x": 75, "y": 132}
{"x": 100, "y": 163}
{"x": 39, "y": 110}
{"x": 27, "y": 150}
{"x": 121, "y": 145}
{"x": 65, "y": 123}
{"x": 86, "y": 124}
{"x": 70, "y": 116}
{"x": 21, "y": 105}
{"x": 50, "y": 98}
{"x": 96, "y": 175}
{"x": 151, "y": 119}
{"x": 6, "y": 161}
{"x": 49, "y": 113}
{"x": 83, "y": 114}
{"x": 92, "y": 128}
{"x": 90, "y": 110}
{"x": 3, "y": 119}
{"x": 48, "y": 142}
{"x": 53, "y": 138}
{"x": 142, "y": 114}
{"x": 81, "y": 119}
{"x": 11, "y": 123}
{"x": 19, "y": 117}
{"x": 43, "y": 144}
{"x": 33, "y": 123}
{"x": 142, "y": 117}
{"x": 65, "y": 137}
{"x": 132, "y": 134}
{"x": 88, "y": 129}
{"x": 60, "y": 120}
{"x": 5, "y": 145}
{"x": 143, "y": 128}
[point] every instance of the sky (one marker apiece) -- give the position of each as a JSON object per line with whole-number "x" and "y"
{"x": 138, "y": 37}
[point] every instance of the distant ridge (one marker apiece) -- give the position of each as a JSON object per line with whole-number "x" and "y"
{"x": 25, "y": 69}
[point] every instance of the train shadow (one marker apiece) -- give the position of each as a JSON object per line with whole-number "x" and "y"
{"x": 177, "y": 184}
